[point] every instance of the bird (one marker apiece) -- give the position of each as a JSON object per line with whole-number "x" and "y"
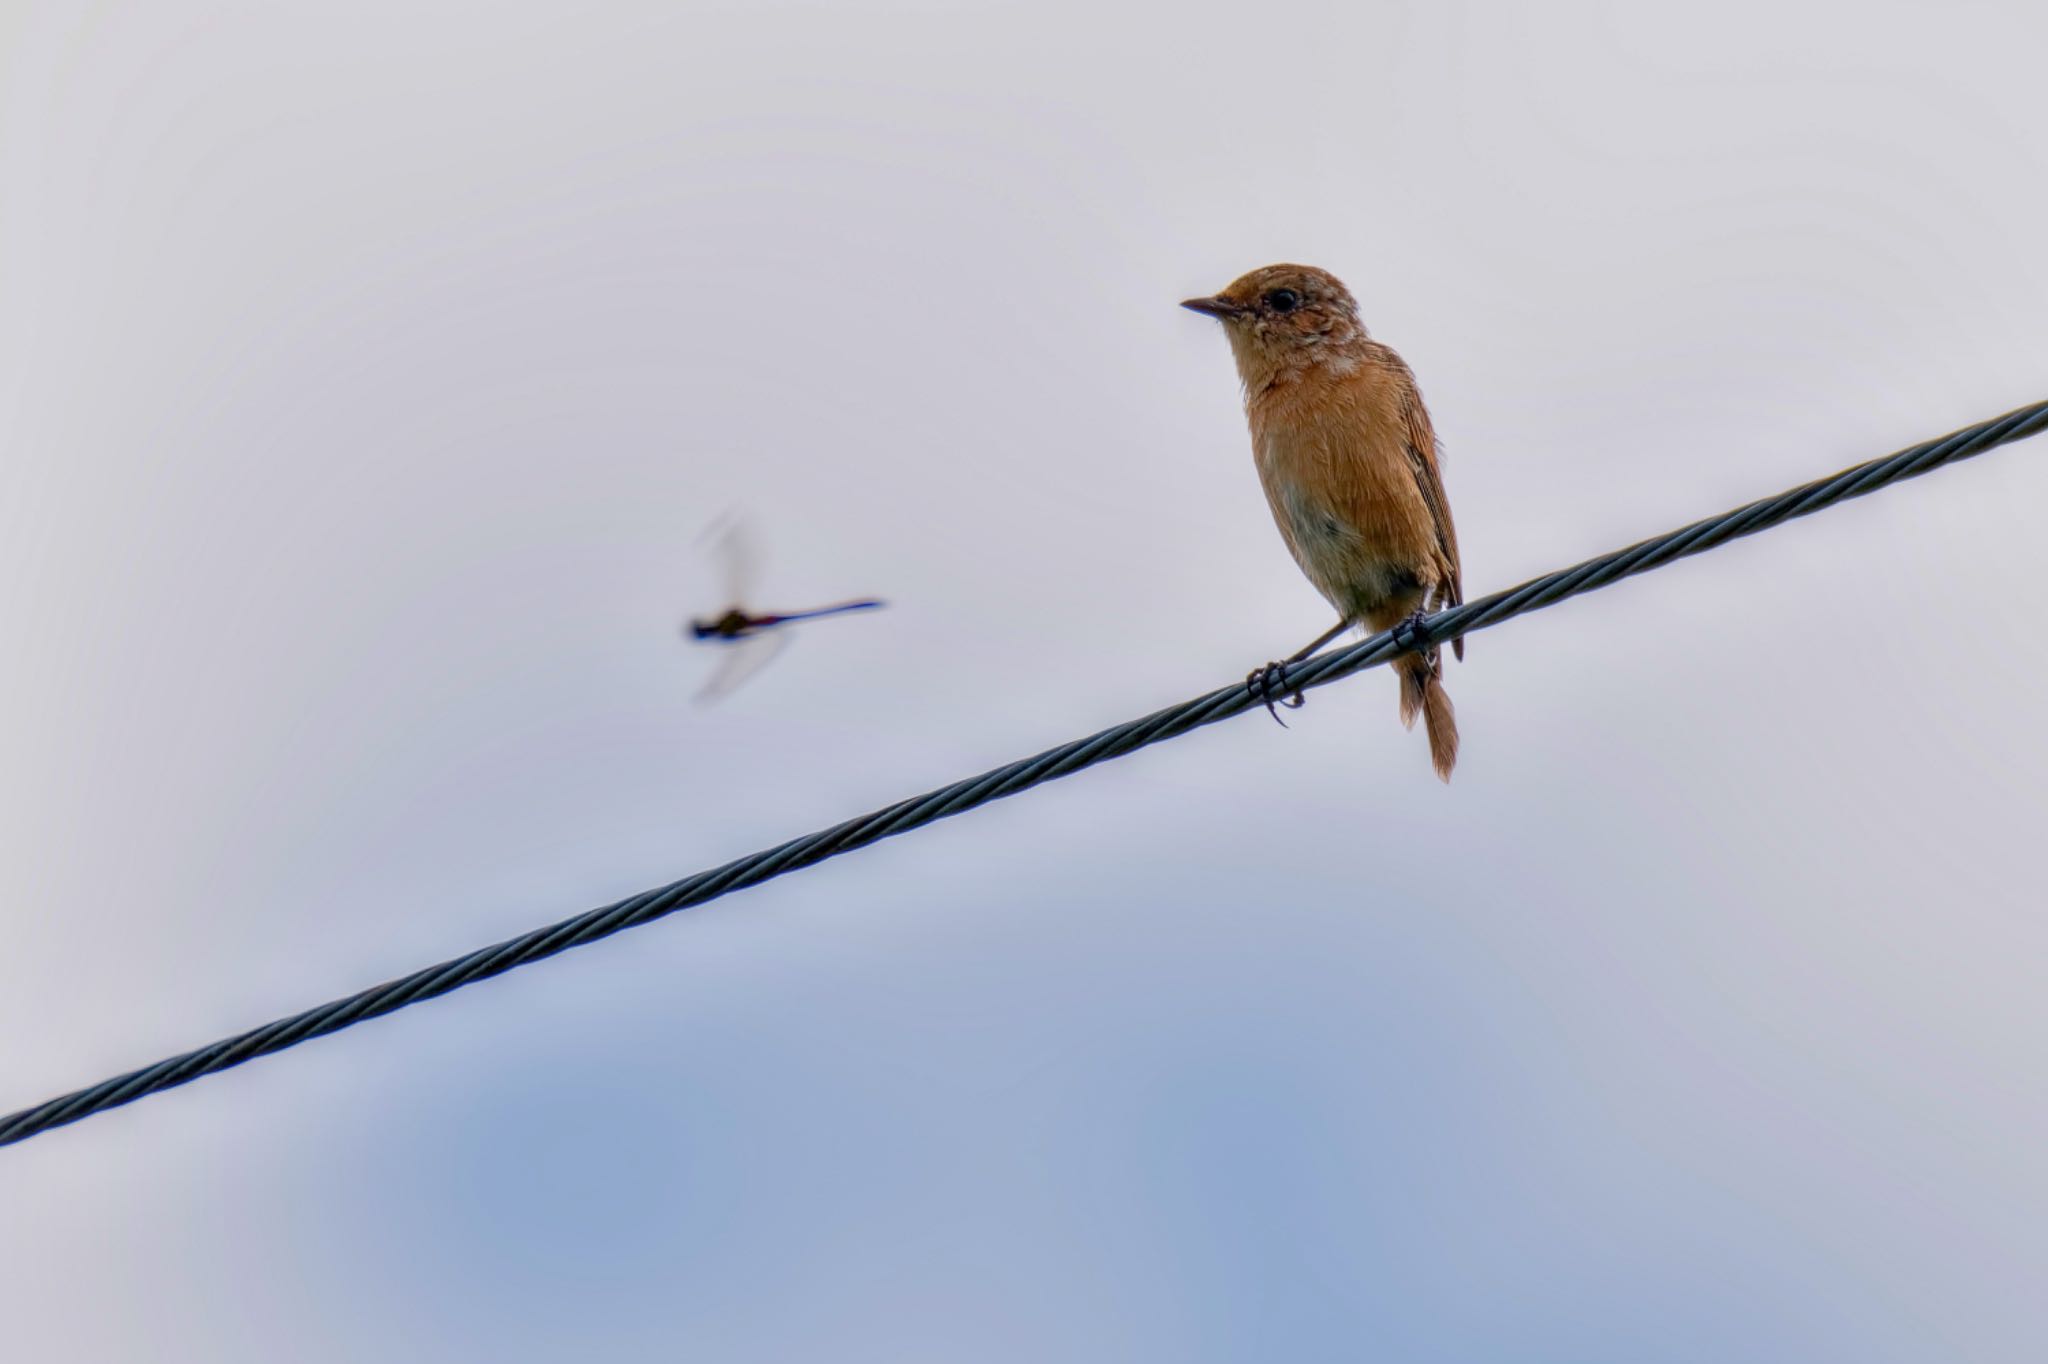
{"x": 1350, "y": 467}
{"x": 751, "y": 638}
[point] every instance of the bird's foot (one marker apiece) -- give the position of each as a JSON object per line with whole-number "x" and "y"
{"x": 1413, "y": 636}
{"x": 1413, "y": 633}
{"x": 1266, "y": 685}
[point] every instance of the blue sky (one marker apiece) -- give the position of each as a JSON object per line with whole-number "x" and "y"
{"x": 367, "y": 374}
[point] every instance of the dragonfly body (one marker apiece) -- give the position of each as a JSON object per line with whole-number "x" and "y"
{"x": 748, "y": 639}
{"x": 736, "y": 624}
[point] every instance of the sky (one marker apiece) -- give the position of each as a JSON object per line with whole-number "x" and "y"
{"x": 368, "y": 373}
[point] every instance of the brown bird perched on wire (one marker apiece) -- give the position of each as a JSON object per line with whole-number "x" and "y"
{"x": 1349, "y": 464}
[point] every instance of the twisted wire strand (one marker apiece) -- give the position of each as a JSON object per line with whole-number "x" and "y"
{"x": 1064, "y": 760}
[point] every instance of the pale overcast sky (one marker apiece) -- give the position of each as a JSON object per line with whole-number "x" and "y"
{"x": 367, "y": 372}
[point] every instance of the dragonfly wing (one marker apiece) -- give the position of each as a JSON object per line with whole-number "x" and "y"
{"x": 742, "y": 659}
{"x": 736, "y": 556}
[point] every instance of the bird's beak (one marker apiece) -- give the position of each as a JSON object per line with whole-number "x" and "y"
{"x": 1217, "y": 306}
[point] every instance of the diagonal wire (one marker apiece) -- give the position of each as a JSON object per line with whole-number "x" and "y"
{"x": 1068, "y": 758}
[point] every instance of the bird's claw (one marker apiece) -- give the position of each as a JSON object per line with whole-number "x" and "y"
{"x": 1264, "y": 684}
{"x": 1413, "y": 636}
{"x": 1413, "y": 633}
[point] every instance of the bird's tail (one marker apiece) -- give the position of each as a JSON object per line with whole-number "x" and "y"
{"x": 1422, "y": 693}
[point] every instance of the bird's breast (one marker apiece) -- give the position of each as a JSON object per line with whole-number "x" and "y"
{"x": 1344, "y": 497}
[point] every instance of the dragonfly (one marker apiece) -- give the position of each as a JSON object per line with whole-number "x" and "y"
{"x": 750, "y": 639}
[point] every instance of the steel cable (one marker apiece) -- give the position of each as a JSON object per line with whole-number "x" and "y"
{"x": 1062, "y": 761}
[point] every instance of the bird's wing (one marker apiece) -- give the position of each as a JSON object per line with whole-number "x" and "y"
{"x": 1420, "y": 439}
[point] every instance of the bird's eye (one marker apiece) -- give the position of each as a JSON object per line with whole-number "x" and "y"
{"x": 1283, "y": 300}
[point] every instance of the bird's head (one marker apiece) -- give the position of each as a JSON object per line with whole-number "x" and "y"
{"x": 1286, "y": 318}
